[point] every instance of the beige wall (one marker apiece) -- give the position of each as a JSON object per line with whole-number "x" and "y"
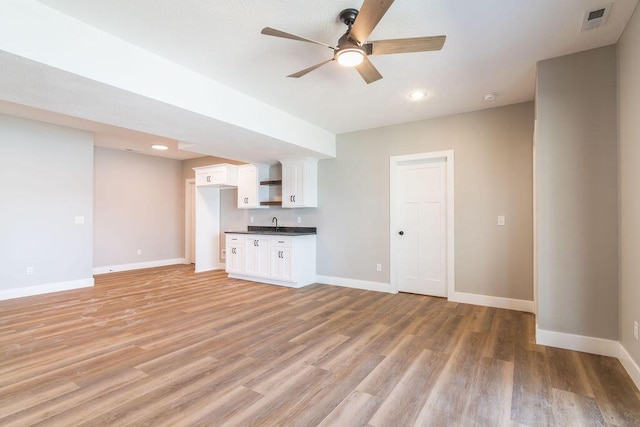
{"x": 138, "y": 203}
{"x": 46, "y": 180}
{"x": 629, "y": 162}
{"x": 493, "y": 176}
{"x": 576, "y": 192}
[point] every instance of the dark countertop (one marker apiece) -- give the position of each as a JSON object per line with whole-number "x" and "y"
{"x": 282, "y": 231}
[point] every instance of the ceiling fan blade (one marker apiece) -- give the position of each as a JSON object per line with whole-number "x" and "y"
{"x": 370, "y": 14}
{"x": 368, "y": 72}
{"x": 417, "y": 44}
{"x": 268, "y": 31}
{"x": 308, "y": 70}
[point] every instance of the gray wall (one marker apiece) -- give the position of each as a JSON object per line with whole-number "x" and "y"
{"x": 629, "y": 158}
{"x": 139, "y": 204}
{"x": 493, "y": 176}
{"x": 577, "y": 197}
{"x": 46, "y": 180}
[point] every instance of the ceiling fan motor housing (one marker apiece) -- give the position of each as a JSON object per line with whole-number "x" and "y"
{"x": 346, "y": 45}
{"x": 348, "y": 16}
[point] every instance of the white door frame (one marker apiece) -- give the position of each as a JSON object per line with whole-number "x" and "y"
{"x": 189, "y": 223}
{"x": 394, "y": 163}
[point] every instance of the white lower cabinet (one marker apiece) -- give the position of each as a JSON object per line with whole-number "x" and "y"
{"x": 256, "y": 255}
{"x": 282, "y": 260}
{"x": 277, "y": 260}
{"x": 235, "y": 254}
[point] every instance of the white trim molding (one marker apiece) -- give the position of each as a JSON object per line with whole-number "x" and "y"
{"x": 219, "y": 266}
{"x": 591, "y": 345}
{"x": 630, "y": 365}
{"x": 582, "y": 343}
{"x": 490, "y": 301}
{"x": 356, "y": 284}
{"x": 45, "y": 289}
{"x": 138, "y": 265}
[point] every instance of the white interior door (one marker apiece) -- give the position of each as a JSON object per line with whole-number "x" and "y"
{"x": 421, "y": 221}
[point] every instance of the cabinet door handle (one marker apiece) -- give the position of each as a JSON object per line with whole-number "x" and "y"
{"x": 294, "y": 198}
{"x": 208, "y": 178}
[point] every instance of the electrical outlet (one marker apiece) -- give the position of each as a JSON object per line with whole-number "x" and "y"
{"x": 139, "y": 251}
{"x": 635, "y": 329}
{"x": 250, "y": 220}
{"x": 379, "y": 267}
{"x": 29, "y": 271}
{"x": 79, "y": 219}
{"x": 299, "y": 219}
{"x": 223, "y": 254}
{"x": 501, "y": 220}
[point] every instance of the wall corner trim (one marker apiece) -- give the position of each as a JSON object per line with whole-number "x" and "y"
{"x": 630, "y": 365}
{"x": 45, "y": 288}
{"x": 583, "y": 343}
{"x": 592, "y": 345}
{"x": 355, "y": 284}
{"x": 491, "y": 301}
{"x": 138, "y": 265}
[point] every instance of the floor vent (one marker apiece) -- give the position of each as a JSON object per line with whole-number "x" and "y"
{"x": 596, "y": 17}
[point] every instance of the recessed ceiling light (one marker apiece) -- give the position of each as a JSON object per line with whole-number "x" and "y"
{"x": 490, "y": 96}
{"x": 159, "y": 147}
{"x": 417, "y": 95}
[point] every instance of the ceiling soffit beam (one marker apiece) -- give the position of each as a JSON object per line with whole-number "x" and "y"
{"x": 31, "y": 30}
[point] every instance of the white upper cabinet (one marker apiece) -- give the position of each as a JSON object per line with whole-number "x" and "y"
{"x": 250, "y": 192}
{"x": 300, "y": 183}
{"x": 221, "y": 175}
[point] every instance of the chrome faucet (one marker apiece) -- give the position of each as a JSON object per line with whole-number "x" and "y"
{"x": 276, "y": 221}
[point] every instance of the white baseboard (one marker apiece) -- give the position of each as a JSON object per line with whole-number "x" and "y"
{"x": 582, "y": 343}
{"x": 356, "y": 284}
{"x": 592, "y": 345}
{"x": 138, "y": 265}
{"x": 45, "y": 289}
{"x": 630, "y": 365}
{"x": 219, "y": 266}
{"x": 489, "y": 301}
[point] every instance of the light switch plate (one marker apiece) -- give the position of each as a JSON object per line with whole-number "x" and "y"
{"x": 79, "y": 219}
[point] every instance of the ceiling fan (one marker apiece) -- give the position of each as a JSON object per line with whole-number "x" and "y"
{"x": 353, "y": 49}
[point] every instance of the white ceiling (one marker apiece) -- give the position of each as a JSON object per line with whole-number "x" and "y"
{"x": 491, "y": 46}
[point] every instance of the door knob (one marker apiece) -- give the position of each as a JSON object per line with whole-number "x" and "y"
{"x": 401, "y": 233}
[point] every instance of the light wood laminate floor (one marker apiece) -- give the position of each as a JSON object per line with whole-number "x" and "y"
{"x": 166, "y": 346}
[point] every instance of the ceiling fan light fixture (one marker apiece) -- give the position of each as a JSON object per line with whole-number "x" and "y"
{"x": 350, "y": 57}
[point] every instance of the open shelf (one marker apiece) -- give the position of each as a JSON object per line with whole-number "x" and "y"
{"x": 271, "y": 203}
{"x": 271, "y": 182}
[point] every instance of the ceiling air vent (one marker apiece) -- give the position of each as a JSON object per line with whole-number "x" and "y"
{"x": 596, "y": 17}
